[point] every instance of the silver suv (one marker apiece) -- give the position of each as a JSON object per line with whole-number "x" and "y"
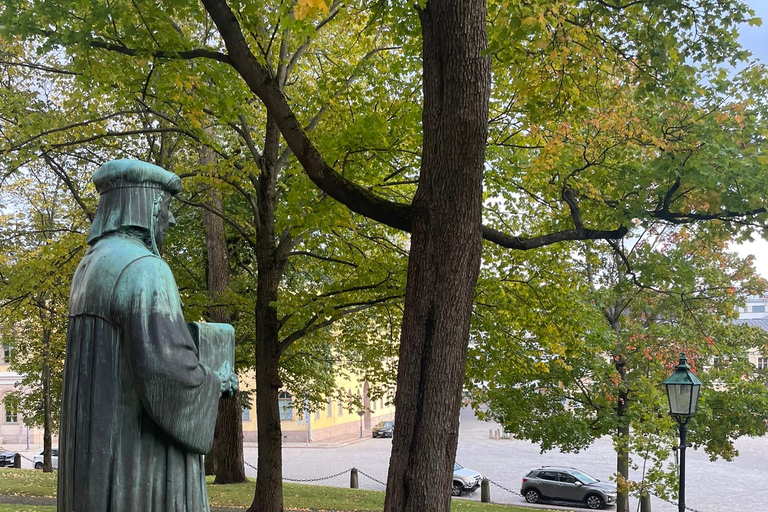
{"x": 464, "y": 480}
{"x": 561, "y": 483}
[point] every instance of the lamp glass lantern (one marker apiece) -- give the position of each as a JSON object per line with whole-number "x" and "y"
{"x": 683, "y": 390}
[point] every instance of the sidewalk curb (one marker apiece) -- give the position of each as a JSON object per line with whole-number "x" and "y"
{"x": 316, "y": 444}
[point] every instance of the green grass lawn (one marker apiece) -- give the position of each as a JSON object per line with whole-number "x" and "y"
{"x": 25, "y": 508}
{"x": 27, "y": 482}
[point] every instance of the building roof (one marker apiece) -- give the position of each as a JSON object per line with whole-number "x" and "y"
{"x": 761, "y": 322}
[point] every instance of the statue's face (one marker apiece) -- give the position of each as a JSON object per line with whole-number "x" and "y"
{"x": 164, "y": 219}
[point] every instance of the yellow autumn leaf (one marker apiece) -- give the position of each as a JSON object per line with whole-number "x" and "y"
{"x": 306, "y": 8}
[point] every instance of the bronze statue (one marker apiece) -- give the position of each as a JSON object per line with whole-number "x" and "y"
{"x": 138, "y": 406}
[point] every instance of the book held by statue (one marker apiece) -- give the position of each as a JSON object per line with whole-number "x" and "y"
{"x": 215, "y": 343}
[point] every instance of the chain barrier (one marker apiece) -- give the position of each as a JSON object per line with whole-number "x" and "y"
{"x": 316, "y": 479}
{"x": 504, "y": 488}
{"x": 250, "y": 465}
{"x": 21, "y": 454}
{"x": 372, "y": 478}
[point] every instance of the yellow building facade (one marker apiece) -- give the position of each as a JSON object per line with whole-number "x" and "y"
{"x": 336, "y": 418}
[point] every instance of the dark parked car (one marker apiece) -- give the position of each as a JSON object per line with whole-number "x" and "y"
{"x": 383, "y": 429}
{"x": 6, "y": 459}
{"x": 567, "y": 484}
{"x": 464, "y": 479}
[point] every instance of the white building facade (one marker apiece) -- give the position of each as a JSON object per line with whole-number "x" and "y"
{"x": 12, "y": 427}
{"x": 755, "y": 313}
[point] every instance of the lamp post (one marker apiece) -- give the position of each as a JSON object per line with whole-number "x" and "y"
{"x": 683, "y": 394}
{"x": 360, "y": 413}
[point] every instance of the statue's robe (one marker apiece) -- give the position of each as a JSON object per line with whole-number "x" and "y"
{"x": 138, "y": 407}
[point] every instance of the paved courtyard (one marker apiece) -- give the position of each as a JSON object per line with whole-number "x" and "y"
{"x": 712, "y": 486}
{"x": 741, "y": 485}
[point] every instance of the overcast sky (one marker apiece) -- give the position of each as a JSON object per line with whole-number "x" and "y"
{"x": 755, "y": 39}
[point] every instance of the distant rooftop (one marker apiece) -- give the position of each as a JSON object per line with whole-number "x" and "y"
{"x": 761, "y": 322}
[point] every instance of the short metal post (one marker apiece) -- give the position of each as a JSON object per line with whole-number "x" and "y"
{"x": 353, "y": 480}
{"x": 645, "y": 501}
{"x": 17, "y": 461}
{"x": 485, "y": 491}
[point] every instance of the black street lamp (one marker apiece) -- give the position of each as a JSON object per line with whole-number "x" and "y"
{"x": 683, "y": 394}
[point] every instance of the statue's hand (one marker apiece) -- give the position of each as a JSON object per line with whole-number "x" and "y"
{"x": 228, "y": 378}
{"x": 234, "y": 384}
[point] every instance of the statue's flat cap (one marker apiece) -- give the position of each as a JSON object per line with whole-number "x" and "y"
{"x": 134, "y": 173}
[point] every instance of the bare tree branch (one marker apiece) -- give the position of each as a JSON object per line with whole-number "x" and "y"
{"x": 342, "y": 311}
{"x": 63, "y": 176}
{"x": 38, "y": 67}
{"x": 324, "y": 258}
{"x": 159, "y": 54}
{"x": 247, "y": 236}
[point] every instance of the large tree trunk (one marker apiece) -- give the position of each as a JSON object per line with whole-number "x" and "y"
{"x": 226, "y": 457}
{"x": 622, "y": 436}
{"x": 47, "y": 427}
{"x": 445, "y": 256}
{"x": 228, "y": 443}
{"x": 268, "y": 496}
{"x": 622, "y": 461}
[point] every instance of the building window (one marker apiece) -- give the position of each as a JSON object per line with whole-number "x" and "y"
{"x": 341, "y": 409}
{"x": 758, "y": 309}
{"x": 381, "y": 403}
{"x": 284, "y": 403}
{"x": 11, "y": 415}
{"x": 246, "y": 415}
{"x": 317, "y": 414}
{"x": 6, "y": 353}
{"x": 762, "y": 363}
{"x": 329, "y": 409}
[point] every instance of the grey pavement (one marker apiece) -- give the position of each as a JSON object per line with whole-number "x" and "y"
{"x": 506, "y": 461}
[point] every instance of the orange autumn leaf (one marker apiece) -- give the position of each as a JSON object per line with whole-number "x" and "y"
{"x": 305, "y": 8}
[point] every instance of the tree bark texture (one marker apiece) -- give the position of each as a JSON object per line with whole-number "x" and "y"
{"x": 445, "y": 256}
{"x": 268, "y": 496}
{"x": 622, "y": 457}
{"x": 47, "y": 427}
{"x": 226, "y": 459}
{"x": 622, "y": 434}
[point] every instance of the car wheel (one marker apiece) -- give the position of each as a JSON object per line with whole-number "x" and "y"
{"x": 456, "y": 489}
{"x": 38, "y": 465}
{"x": 594, "y": 501}
{"x": 532, "y": 496}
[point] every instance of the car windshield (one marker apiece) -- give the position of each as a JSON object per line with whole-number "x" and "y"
{"x": 457, "y": 466}
{"x": 583, "y": 477}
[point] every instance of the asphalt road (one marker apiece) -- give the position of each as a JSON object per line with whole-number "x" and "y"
{"x": 719, "y": 486}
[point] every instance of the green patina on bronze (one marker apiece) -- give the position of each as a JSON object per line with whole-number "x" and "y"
{"x": 138, "y": 406}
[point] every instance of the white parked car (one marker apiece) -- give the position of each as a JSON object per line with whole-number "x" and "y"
{"x": 54, "y": 459}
